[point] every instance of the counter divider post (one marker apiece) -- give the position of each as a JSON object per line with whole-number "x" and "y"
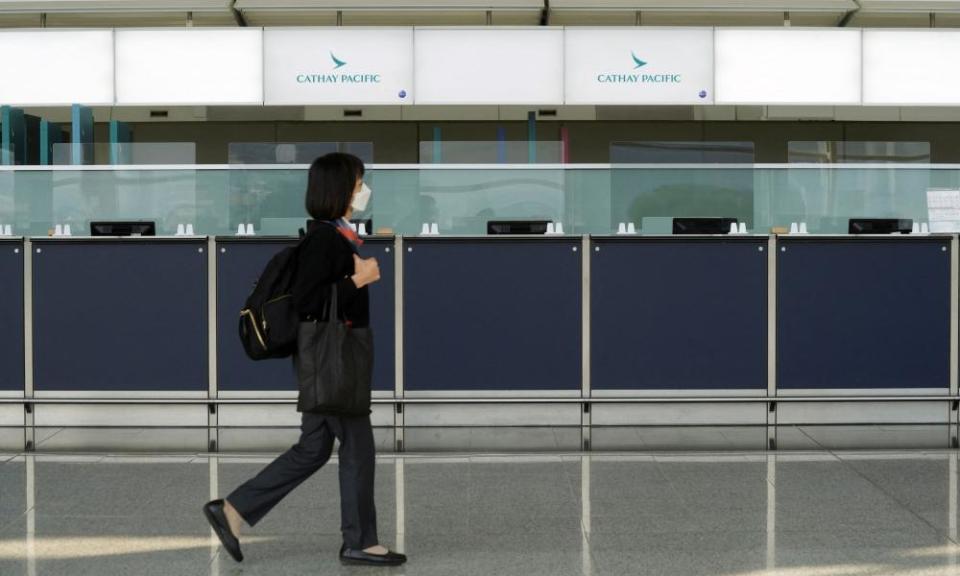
{"x": 398, "y": 406}
{"x": 29, "y": 433}
{"x": 585, "y": 413}
{"x": 772, "y": 252}
{"x": 213, "y": 409}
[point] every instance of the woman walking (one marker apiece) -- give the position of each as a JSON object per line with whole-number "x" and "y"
{"x": 328, "y": 266}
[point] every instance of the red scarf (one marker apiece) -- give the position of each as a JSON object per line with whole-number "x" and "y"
{"x": 347, "y": 231}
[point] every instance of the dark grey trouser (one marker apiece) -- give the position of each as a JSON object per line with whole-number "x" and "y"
{"x": 358, "y": 515}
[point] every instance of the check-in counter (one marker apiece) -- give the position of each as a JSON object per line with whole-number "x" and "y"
{"x": 863, "y": 316}
{"x": 492, "y": 314}
{"x": 12, "y": 381}
{"x": 120, "y": 315}
{"x": 240, "y": 260}
{"x": 11, "y": 316}
{"x": 493, "y": 331}
{"x": 678, "y": 316}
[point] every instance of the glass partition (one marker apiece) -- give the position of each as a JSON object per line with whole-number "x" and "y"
{"x": 491, "y": 152}
{"x": 680, "y": 152}
{"x": 152, "y": 153}
{"x": 71, "y": 153}
{"x": 293, "y": 152}
{"x": 587, "y": 199}
{"x": 857, "y": 152}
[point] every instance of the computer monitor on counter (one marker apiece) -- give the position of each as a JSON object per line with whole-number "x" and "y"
{"x": 702, "y": 225}
{"x": 880, "y": 226}
{"x": 123, "y": 228}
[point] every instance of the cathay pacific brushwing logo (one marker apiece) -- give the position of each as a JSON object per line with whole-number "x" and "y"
{"x": 652, "y": 74}
{"x": 648, "y": 76}
{"x": 342, "y": 77}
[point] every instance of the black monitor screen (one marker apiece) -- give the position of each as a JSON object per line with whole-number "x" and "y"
{"x": 118, "y": 228}
{"x": 702, "y": 225}
{"x": 880, "y": 225}
{"x": 517, "y": 226}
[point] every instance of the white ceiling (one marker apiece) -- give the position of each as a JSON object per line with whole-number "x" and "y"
{"x": 119, "y": 13}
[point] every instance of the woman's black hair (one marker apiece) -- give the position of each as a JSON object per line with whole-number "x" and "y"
{"x": 330, "y": 185}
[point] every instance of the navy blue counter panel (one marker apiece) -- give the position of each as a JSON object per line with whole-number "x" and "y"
{"x": 239, "y": 264}
{"x": 863, "y": 313}
{"x": 492, "y": 314}
{"x": 383, "y": 313}
{"x": 11, "y": 315}
{"x": 120, "y": 315}
{"x": 678, "y": 314}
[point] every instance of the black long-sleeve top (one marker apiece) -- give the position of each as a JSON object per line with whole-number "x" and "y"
{"x": 326, "y": 257}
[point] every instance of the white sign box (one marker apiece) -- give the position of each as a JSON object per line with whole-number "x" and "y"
{"x": 56, "y": 67}
{"x": 910, "y": 67}
{"x": 488, "y": 66}
{"x": 338, "y": 66}
{"x": 791, "y": 66}
{"x": 638, "y": 66}
{"x": 193, "y": 66}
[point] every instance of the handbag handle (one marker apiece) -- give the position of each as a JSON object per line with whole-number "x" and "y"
{"x": 332, "y": 308}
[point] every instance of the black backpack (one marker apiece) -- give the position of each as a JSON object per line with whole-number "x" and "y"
{"x": 269, "y": 319}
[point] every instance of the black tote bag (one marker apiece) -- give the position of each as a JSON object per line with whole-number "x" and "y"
{"x": 334, "y": 365}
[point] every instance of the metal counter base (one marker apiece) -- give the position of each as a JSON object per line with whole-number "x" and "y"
{"x": 574, "y": 423}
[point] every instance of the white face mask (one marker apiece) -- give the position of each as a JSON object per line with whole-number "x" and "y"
{"x": 361, "y": 198}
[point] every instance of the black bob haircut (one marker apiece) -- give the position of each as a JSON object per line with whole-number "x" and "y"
{"x": 330, "y": 185}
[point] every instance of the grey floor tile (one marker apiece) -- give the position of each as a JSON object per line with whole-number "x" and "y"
{"x": 681, "y": 554}
{"x": 867, "y": 551}
{"x": 534, "y": 552}
{"x": 931, "y": 503}
{"x": 703, "y": 438}
{"x": 107, "y": 545}
{"x": 13, "y": 495}
{"x": 810, "y": 516}
{"x": 718, "y": 484}
{"x": 277, "y": 440}
{"x": 115, "y": 489}
{"x": 900, "y": 478}
{"x": 661, "y": 513}
{"x": 489, "y": 439}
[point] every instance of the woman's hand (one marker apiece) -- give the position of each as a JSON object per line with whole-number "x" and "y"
{"x": 365, "y": 271}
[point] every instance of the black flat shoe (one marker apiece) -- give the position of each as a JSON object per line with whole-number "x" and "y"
{"x": 351, "y": 556}
{"x": 213, "y": 510}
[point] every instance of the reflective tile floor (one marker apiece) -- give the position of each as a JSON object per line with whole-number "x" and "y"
{"x": 499, "y": 439}
{"x": 812, "y": 512}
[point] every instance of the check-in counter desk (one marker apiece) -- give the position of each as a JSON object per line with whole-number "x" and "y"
{"x": 489, "y": 317}
{"x": 498, "y": 330}
{"x": 678, "y": 316}
{"x": 119, "y": 318}
{"x": 864, "y": 316}
{"x": 240, "y": 260}
{"x": 11, "y": 330}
